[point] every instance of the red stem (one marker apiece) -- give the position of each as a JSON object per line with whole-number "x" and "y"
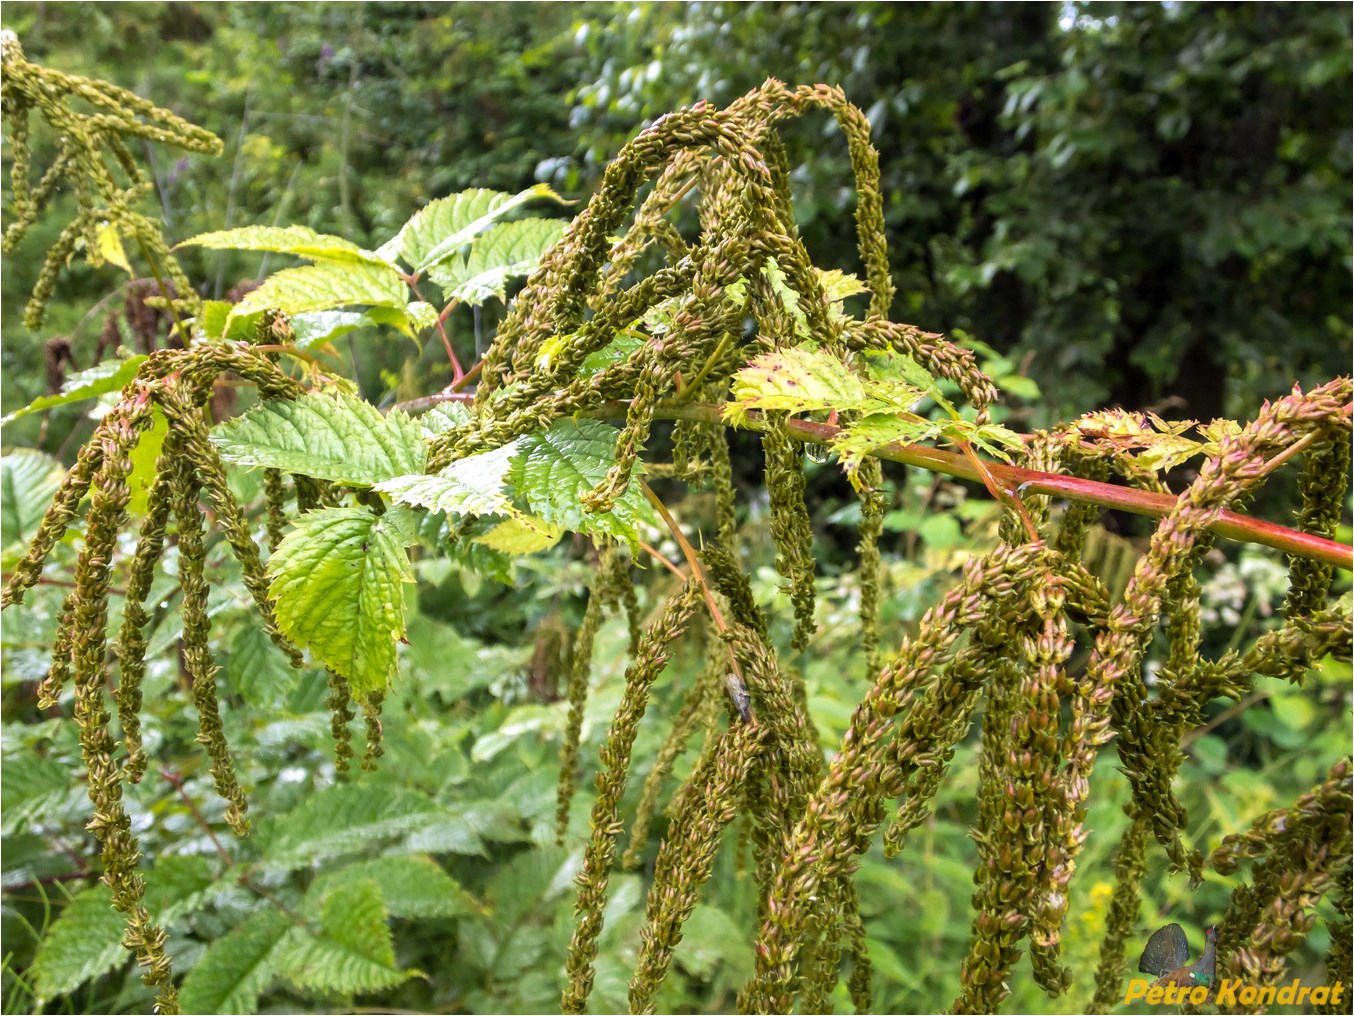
{"x": 1230, "y": 525}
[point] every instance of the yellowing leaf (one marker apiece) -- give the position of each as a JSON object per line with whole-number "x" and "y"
{"x": 110, "y": 246}
{"x": 838, "y": 285}
{"x": 1155, "y": 443}
{"x": 301, "y": 241}
{"x": 796, "y": 380}
{"x": 517, "y": 536}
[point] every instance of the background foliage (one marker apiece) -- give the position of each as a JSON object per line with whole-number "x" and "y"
{"x": 1130, "y": 204}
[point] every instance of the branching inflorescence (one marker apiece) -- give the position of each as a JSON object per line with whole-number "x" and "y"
{"x": 86, "y": 141}
{"x": 999, "y": 644}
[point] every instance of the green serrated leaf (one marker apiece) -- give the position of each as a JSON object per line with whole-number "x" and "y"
{"x": 325, "y": 286}
{"x": 1019, "y": 386}
{"x": 412, "y": 885}
{"x": 145, "y": 461}
{"x": 210, "y": 322}
{"x": 29, "y": 480}
{"x": 354, "y": 953}
{"x": 421, "y": 316}
{"x": 994, "y": 439}
{"x": 443, "y": 417}
{"x": 344, "y": 818}
{"x": 338, "y": 580}
{"x": 179, "y": 884}
{"x": 477, "y": 559}
{"x": 87, "y": 384}
{"x": 861, "y": 437}
{"x": 838, "y": 285}
{"x": 256, "y": 670}
{"x": 797, "y": 380}
{"x": 788, "y": 296}
{"x": 237, "y": 967}
{"x": 511, "y": 249}
{"x": 885, "y": 367}
{"x": 618, "y": 350}
{"x": 322, "y": 326}
{"x": 32, "y": 785}
{"x": 473, "y": 485}
{"x": 441, "y": 228}
{"x": 215, "y": 323}
{"x": 555, "y": 468}
{"x": 85, "y": 941}
{"x": 330, "y": 436}
{"x": 299, "y": 240}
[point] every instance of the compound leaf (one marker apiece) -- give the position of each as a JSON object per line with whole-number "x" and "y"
{"x": 354, "y": 951}
{"x": 343, "y": 818}
{"x": 412, "y": 885}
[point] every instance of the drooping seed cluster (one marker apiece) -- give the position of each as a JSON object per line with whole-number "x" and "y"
{"x": 682, "y": 313}
{"x": 189, "y": 469}
{"x": 1297, "y": 855}
{"x": 85, "y": 144}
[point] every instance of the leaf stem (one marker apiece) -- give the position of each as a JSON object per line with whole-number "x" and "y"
{"x": 697, "y": 573}
{"x": 457, "y": 371}
{"x": 1229, "y": 525}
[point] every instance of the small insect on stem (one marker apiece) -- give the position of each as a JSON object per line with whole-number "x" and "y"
{"x": 742, "y": 699}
